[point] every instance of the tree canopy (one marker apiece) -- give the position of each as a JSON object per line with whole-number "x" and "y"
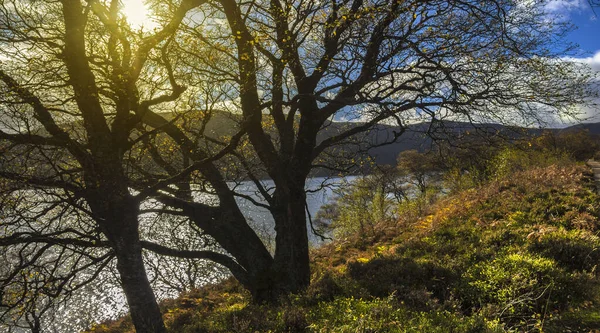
{"x": 101, "y": 122}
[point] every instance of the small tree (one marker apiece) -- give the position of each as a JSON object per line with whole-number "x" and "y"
{"x": 361, "y": 204}
{"x": 420, "y": 170}
{"x": 578, "y": 144}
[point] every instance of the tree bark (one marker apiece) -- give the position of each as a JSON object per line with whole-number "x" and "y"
{"x": 117, "y": 216}
{"x": 267, "y": 278}
{"x": 290, "y": 269}
{"x": 291, "y": 266}
{"x": 143, "y": 307}
{"x": 231, "y": 230}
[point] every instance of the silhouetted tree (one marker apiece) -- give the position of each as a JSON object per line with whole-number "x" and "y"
{"x": 97, "y": 121}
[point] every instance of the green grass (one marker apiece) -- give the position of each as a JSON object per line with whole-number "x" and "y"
{"x": 519, "y": 254}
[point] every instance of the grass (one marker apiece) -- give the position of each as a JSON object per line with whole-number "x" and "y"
{"x": 518, "y": 254}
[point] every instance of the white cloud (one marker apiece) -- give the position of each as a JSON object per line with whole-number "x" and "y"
{"x": 560, "y": 6}
{"x": 593, "y": 62}
{"x": 589, "y": 113}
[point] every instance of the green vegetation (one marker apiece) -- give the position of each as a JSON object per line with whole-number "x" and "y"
{"x": 516, "y": 253}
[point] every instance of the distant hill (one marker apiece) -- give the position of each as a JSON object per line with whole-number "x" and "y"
{"x": 379, "y": 141}
{"x": 420, "y": 136}
{"x": 592, "y": 128}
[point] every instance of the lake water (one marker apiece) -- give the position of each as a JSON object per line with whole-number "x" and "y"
{"x": 104, "y": 300}
{"x": 320, "y": 190}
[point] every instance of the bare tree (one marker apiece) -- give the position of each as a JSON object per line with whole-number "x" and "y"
{"x": 84, "y": 125}
{"x": 70, "y": 78}
{"x": 295, "y": 67}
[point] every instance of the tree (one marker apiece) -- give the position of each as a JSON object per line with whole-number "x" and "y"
{"x": 577, "y": 143}
{"x": 83, "y": 121}
{"x": 361, "y": 204}
{"x": 421, "y": 170}
{"x": 70, "y": 108}
{"x": 299, "y": 66}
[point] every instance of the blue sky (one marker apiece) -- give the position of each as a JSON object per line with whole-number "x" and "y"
{"x": 587, "y": 22}
{"x": 587, "y": 36}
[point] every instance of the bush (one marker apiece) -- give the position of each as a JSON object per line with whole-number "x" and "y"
{"x": 573, "y": 249}
{"x": 514, "y": 282}
{"x": 357, "y": 209}
{"x": 420, "y": 284}
{"x": 511, "y": 160}
{"x": 578, "y": 144}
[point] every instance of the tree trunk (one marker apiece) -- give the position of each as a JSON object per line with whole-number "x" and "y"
{"x": 231, "y": 230}
{"x": 291, "y": 268}
{"x": 143, "y": 307}
{"x": 34, "y": 322}
{"x": 268, "y": 279}
{"x": 119, "y": 222}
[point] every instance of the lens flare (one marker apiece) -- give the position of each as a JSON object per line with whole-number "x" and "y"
{"x": 137, "y": 14}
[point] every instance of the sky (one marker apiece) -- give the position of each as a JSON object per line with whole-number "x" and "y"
{"x": 586, "y": 35}
{"x": 580, "y": 13}
{"x": 586, "y": 20}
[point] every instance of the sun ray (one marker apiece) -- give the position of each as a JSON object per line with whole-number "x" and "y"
{"x": 137, "y": 14}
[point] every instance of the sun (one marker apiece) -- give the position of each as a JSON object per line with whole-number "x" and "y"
{"x": 137, "y": 14}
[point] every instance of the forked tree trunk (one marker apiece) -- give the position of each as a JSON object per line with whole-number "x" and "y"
{"x": 269, "y": 279}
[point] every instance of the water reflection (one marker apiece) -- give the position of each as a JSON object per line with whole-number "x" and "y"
{"x": 103, "y": 299}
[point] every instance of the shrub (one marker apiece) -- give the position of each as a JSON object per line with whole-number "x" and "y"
{"x": 573, "y": 249}
{"x": 515, "y": 287}
{"x": 357, "y": 209}
{"x": 511, "y": 160}
{"x": 418, "y": 283}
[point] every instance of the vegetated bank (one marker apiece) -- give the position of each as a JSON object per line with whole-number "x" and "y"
{"x": 516, "y": 252}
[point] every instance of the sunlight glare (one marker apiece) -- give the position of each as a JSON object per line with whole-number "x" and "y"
{"x": 137, "y": 14}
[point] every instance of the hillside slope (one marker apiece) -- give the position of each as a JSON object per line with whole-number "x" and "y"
{"x": 518, "y": 254}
